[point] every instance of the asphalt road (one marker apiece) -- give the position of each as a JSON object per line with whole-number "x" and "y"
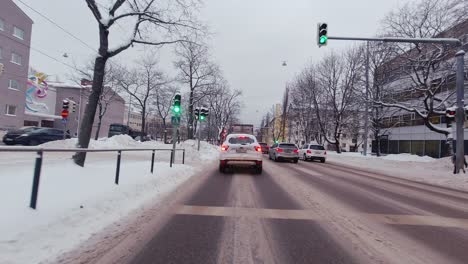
{"x": 300, "y": 213}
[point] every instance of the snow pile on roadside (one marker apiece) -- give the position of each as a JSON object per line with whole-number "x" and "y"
{"x": 207, "y": 151}
{"x": 80, "y": 201}
{"x": 423, "y": 169}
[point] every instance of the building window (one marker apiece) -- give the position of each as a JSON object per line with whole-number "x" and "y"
{"x": 13, "y": 84}
{"x": 10, "y": 110}
{"x": 2, "y": 24}
{"x": 18, "y": 32}
{"x": 16, "y": 58}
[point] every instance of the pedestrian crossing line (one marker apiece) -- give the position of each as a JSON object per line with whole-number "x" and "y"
{"x": 419, "y": 220}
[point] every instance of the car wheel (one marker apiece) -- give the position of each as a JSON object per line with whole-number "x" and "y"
{"x": 222, "y": 168}
{"x": 322, "y": 160}
{"x": 296, "y": 160}
{"x": 258, "y": 169}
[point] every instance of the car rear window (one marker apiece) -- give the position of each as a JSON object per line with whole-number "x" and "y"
{"x": 241, "y": 140}
{"x": 287, "y": 146}
{"x": 263, "y": 144}
{"x": 317, "y": 147}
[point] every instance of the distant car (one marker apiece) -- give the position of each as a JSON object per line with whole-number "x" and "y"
{"x": 240, "y": 150}
{"x": 265, "y": 147}
{"x": 284, "y": 151}
{"x": 40, "y": 136}
{"x": 10, "y": 137}
{"x": 313, "y": 152}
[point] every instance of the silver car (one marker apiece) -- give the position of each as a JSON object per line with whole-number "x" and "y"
{"x": 284, "y": 151}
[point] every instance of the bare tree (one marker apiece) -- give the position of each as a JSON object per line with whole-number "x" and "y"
{"x": 196, "y": 71}
{"x": 165, "y": 19}
{"x": 224, "y": 106}
{"x": 334, "y": 83}
{"x": 109, "y": 91}
{"x": 142, "y": 84}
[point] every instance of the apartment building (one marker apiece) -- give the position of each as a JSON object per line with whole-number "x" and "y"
{"x": 15, "y": 40}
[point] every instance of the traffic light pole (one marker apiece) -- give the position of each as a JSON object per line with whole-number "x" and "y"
{"x": 366, "y": 113}
{"x": 460, "y": 153}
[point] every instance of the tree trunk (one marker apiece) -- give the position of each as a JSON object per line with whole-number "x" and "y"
{"x": 164, "y": 130}
{"x": 87, "y": 122}
{"x": 96, "y": 137}
{"x": 143, "y": 124}
{"x": 190, "y": 117}
{"x": 337, "y": 145}
{"x": 377, "y": 143}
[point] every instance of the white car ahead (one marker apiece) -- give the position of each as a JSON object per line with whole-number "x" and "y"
{"x": 313, "y": 151}
{"x": 241, "y": 150}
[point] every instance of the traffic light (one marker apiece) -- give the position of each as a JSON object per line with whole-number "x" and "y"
{"x": 203, "y": 113}
{"x": 450, "y": 115}
{"x": 197, "y": 113}
{"x": 176, "y": 106}
{"x": 73, "y": 107}
{"x": 65, "y": 104}
{"x": 322, "y": 34}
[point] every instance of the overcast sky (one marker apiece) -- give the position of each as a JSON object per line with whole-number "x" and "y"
{"x": 251, "y": 39}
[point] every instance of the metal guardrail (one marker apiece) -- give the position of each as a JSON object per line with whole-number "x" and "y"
{"x": 40, "y": 151}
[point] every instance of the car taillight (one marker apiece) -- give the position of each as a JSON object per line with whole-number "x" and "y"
{"x": 296, "y": 151}
{"x": 279, "y": 150}
{"x": 308, "y": 151}
{"x": 224, "y": 147}
{"x": 258, "y": 148}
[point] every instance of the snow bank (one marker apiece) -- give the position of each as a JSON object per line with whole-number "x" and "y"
{"x": 76, "y": 202}
{"x": 413, "y": 167}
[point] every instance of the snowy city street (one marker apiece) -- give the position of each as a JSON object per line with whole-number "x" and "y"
{"x": 225, "y": 132}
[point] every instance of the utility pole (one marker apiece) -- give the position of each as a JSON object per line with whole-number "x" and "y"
{"x": 366, "y": 114}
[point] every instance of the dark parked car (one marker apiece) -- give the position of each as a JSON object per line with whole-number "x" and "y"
{"x": 40, "y": 136}
{"x": 10, "y": 137}
{"x": 265, "y": 147}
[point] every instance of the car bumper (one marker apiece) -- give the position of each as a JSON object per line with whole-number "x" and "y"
{"x": 287, "y": 156}
{"x": 315, "y": 156}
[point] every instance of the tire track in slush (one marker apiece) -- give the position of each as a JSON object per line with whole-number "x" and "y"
{"x": 191, "y": 238}
{"x": 296, "y": 241}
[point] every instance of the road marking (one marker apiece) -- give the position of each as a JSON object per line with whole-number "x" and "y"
{"x": 420, "y": 220}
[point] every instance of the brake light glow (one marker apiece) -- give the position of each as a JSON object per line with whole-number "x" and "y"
{"x": 224, "y": 147}
{"x": 296, "y": 151}
{"x": 308, "y": 151}
{"x": 258, "y": 148}
{"x": 279, "y": 150}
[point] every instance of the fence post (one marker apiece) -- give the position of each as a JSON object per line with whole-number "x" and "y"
{"x": 170, "y": 163}
{"x": 37, "y": 176}
{"x": 152, "y": 161}
{"x": 183, "y": 156}
{"x": 117, "y": 172}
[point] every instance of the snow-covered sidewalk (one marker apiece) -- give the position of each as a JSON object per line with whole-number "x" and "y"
{"x": 413, "y": 167}
{"x": 75, "y": 202}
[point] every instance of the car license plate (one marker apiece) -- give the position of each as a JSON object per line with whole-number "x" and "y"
{"x": 241, "y": 150}
{"x": 288, "y": 151}
{"x": 317, "y": 152}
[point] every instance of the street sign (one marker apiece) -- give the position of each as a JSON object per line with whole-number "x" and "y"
{"x": 64, "y": 114}
{"x": 64, "y": 121}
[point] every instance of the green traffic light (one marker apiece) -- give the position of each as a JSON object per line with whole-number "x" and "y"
{"x": 176, "y": 109}
{"x": 323, "y": 39}
{"x": 202, "y": 118}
